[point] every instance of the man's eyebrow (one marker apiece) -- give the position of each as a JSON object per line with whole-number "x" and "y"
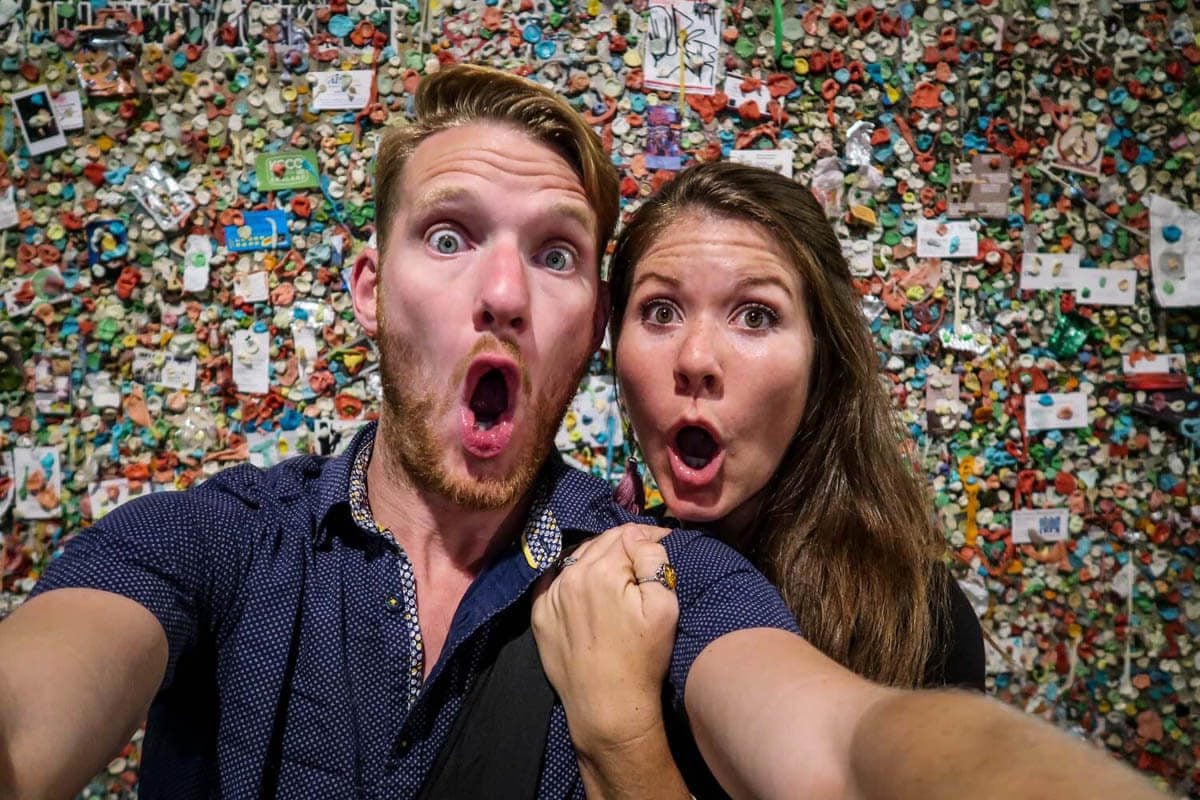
{"x": 656, "y": 276}
{"x": 576, "y": 213}
{"x": 753, "y": 281}
{"x": 443, "y": 195}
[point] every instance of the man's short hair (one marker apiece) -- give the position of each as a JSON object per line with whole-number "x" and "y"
{"x": 465, "y": 94}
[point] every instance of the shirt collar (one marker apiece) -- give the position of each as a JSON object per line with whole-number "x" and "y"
{"x": 566, "y": 502}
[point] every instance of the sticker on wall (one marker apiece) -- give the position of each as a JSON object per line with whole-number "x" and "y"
{"x": 1035, "y": 526}
{"x": 295, "y": 169}
{"x": 260, "y": 230}
{"x": 683, "y": 46}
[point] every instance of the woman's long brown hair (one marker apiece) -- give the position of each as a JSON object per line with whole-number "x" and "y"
{"x": 845, "y": 530}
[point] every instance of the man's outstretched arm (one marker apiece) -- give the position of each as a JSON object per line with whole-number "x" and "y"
{"x": 775, "y": 718}
{"x": 78, "y": 669}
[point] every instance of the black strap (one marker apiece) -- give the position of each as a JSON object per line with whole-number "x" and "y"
{"x": 498, "y": 741}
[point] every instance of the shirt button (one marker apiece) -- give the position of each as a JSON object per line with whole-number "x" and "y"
{"x": 393, "y": 603}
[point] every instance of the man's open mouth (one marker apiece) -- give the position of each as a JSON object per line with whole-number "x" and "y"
{"x": 489, "y": 402}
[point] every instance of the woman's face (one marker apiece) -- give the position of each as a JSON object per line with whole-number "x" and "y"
{"x": 714, "y": 358}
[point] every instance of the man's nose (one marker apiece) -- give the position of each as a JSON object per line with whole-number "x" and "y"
{"x": 503, "y": 304}
{"x": 698, "y": 368}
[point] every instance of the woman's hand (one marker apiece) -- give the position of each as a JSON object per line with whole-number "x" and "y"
{"x": 605, "y": 642}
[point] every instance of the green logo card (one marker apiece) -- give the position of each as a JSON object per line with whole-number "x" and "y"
{"x": 295, "y": 169}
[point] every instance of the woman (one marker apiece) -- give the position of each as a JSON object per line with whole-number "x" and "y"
{"x": 753, "y": 387}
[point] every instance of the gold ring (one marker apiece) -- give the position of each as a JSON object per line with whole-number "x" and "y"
{"x": 665, "y": 575}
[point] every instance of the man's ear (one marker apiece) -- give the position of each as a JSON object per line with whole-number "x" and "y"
{"x": 364, "y": 288}
{"x": 600, "y": 316}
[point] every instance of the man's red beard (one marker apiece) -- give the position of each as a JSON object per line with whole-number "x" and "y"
{"x": 410, "y": 406}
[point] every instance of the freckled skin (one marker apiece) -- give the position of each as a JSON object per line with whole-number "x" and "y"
{"x": 716, "y": 329}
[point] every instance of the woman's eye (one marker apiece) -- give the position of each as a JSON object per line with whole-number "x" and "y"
{"x": 757, "y": 317}
{"x": 559, "y": 259}
{"x": 446, "y": 242}
{"x": 659, "y": 313}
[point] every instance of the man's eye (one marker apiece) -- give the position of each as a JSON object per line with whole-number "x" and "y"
{"x": 558, "y": 259}
{"x": 446, "y": 242}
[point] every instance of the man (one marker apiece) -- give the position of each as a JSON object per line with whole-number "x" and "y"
{"x": 313, "y": 630}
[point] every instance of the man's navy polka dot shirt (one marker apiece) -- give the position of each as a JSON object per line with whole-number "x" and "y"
{"x": 289, "y": 672}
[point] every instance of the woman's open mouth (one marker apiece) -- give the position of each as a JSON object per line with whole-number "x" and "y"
{"x": 696, "y": 455}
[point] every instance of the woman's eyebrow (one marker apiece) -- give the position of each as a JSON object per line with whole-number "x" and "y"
{"x": 656, "y": 276}
{"x": 755, "y": 281}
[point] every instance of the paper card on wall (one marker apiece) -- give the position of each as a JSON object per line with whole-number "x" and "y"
{"x": 252, "y": 287}
{"x": 1153, "y": 363}
{"x": 1055, "y": 410}
{"x": 663, "y": 147}
{"x": 947, "y": 239}
{"x": 251, "y": 361}
{"x": 19, "y": 297}
{"x": 8, "y": 208}
{"x": 982, "y": 190}
{"x": 1174, "y": 253}
{"x": 197, "y": 255}
{"x": 178, "y": 373}
{"x": 69, "y": 109}
{"x": 52, "y": 382}
{"x": 260, "y": 230}
{"x": 38, "y": 121}
{"x": 107, "y": 495}
{"x": 737, "y": 96}
{"x": 340, "y": 90}
{"x": 307, "y": 352}
{"x": 38, "y": 473}
{"x": 942, "y": 404}
{"x": 780, "y": 161}
{"x": 1105, "y": 287}
{"x": 1048, "y": 271}
{"x": 104, "y": 393}
{"x": 1035, "y": 526}
{"x": 8, "y": 482}
{"x": 683, "y": 35}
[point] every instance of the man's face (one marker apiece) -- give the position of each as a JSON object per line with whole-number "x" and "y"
{"x": 486, "y": 306}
